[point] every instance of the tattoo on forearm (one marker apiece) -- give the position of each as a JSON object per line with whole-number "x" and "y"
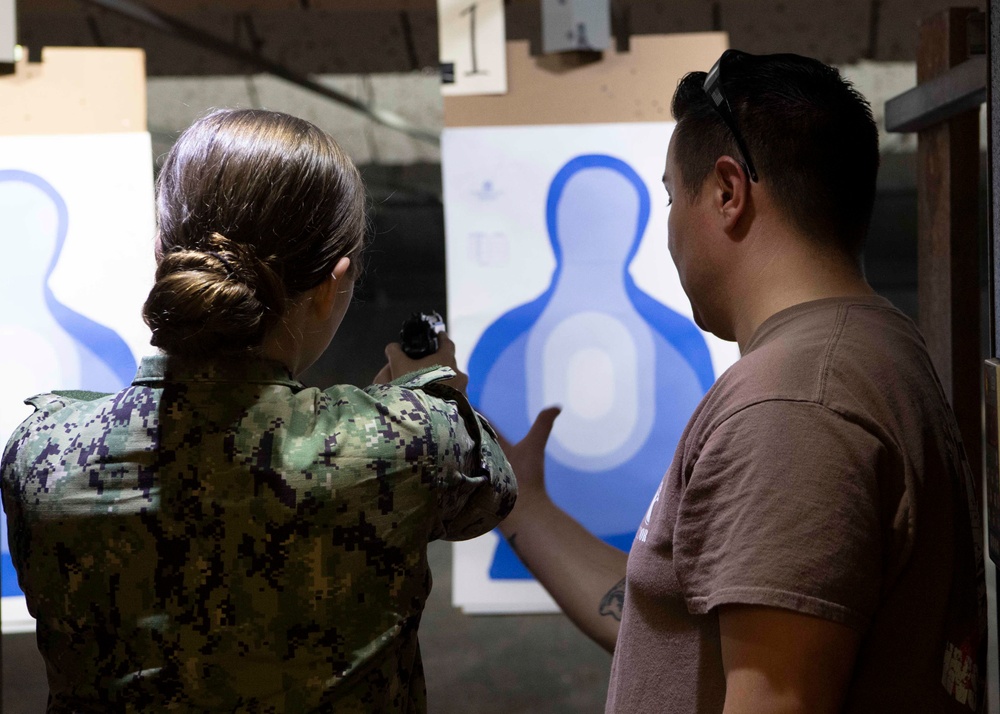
{"x": 613, "y": 601}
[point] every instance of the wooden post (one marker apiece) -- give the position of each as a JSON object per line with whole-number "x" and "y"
{"x": 948, "y": 247}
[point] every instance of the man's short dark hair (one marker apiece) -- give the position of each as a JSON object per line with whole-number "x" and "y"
{"x": 810, "y": 134}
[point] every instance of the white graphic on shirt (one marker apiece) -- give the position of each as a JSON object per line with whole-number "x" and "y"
{"x": 643, "y": 531}
{"x": 961, "y": 675}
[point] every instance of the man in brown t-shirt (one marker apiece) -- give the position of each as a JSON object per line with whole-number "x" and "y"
{"x": 815, "y": 545}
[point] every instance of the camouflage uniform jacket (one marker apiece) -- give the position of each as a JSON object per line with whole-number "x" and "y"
{"x": 220, "y": 538}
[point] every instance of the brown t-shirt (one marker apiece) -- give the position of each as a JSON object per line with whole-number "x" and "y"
{"x": 822, "y": 473}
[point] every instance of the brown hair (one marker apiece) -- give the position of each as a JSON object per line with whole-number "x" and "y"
{"x": 253, "y": 208}
{"x": 810, "y": 133}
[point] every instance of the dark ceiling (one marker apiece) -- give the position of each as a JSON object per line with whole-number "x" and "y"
{"x": 354, "y": 36}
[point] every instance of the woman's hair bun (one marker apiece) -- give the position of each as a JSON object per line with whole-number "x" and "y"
{"x": 219, "y": 299}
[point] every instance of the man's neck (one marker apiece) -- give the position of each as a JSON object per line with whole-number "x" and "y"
{"x": 791, "y": 272}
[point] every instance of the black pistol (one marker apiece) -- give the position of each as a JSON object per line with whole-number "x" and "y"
{"x": 419, "y": 334}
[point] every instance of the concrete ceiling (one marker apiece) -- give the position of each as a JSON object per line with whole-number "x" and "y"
{"x": 379, "y": 36}
{"x": 384, "y": 53}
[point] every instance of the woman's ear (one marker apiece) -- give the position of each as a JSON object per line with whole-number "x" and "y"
{"x": 341, "y": 268}
{"x": 325, "y": 297}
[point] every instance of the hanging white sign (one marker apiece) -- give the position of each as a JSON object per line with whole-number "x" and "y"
{"x": 472, "y": 49}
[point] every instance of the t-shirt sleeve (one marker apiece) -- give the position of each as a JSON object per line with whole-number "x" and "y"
{"x": 781, "y": 509}
{"x": 474, "y": 485}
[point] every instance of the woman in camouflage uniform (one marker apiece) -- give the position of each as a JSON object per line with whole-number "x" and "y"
{"x": 216, "y": 536}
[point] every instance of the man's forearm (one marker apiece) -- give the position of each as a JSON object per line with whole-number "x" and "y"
{"x": 584, "y": 575}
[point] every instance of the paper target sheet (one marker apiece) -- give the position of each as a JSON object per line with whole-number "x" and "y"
{"x": 561, "y": 290}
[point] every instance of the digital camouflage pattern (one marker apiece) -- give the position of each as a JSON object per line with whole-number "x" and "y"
{"x": 220, "y": 538}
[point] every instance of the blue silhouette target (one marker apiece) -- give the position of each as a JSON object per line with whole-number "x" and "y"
{"x": 34, "y": 221}
{"x": 627, "y": 370}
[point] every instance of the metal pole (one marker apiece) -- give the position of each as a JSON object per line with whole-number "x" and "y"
{"x": 993, "y": 150}
{"x": 993, "y": 223}
{"x": 8, "y": 31}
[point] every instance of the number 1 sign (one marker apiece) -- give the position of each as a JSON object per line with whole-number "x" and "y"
{"x": 472, "y": 51}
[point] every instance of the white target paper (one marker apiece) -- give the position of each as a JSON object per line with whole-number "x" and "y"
{"x": 76, "y": 234}
{"x": 561, "y": 290}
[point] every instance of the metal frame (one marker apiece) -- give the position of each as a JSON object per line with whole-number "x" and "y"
{"x": 8, "y": 31}
{"x": 956, "y": 91}
{"x": 993, "y": 154}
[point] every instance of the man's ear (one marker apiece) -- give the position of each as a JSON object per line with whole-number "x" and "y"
{"x": 325, "y": 296}
{"x": 732, "y": 191}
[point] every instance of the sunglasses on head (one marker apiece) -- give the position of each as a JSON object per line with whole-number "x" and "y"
{"x": 713, "y": 88}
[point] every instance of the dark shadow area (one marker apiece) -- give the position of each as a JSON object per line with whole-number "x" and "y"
{"x": 404, "y": 273}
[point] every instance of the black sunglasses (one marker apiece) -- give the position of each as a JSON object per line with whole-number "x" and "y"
{"x": 713, "y": 88}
